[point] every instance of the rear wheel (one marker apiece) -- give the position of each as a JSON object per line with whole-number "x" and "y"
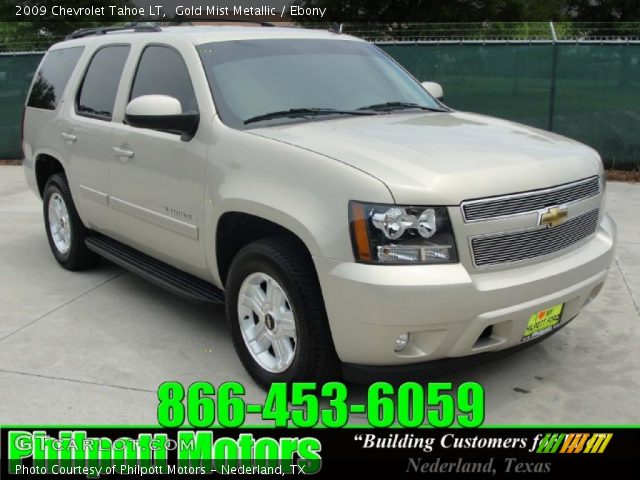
{"x": 277, "y": 315}
{"x": 65, "y": 230}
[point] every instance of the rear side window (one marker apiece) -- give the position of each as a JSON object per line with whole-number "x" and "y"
{"x": 97, "y": 95}
{"x": 52, "y": 77}
{"x": 162, "y": 71}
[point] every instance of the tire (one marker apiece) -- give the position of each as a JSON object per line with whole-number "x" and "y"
{"x": 65, "y": 231}
{"x": 310, "y": 353}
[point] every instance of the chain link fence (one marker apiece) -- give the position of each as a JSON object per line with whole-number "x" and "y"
{"x": 488, "y": 32}
{"x": 579, "y": 80}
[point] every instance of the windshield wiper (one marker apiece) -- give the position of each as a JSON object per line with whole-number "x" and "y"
{"x": 304, "y": 112}
{"x": 391, "y": 106}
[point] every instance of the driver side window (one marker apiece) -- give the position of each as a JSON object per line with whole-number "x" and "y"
{"x": 162, "y": 71}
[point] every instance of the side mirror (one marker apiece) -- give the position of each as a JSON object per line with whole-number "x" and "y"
{"x": 435, "y": 89}
{"x": 161, "y": 112}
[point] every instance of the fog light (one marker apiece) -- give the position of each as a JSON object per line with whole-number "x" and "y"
{"x": 401, "y": 342}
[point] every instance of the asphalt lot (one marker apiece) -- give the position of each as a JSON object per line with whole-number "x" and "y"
{"x": 92, "y": 347}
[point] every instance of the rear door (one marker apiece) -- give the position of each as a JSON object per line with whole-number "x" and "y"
{"x": 88, "y": 134}
{"x": 158, "y": 179}
{"x": 44, "y": 116}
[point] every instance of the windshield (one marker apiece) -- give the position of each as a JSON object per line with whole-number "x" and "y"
{"x": 303, "y": 79}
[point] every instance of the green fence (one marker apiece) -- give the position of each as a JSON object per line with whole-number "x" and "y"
{"x": 587, "y": 91}
{"x": 590, "y": 92}
{"x": 16, "y": 71}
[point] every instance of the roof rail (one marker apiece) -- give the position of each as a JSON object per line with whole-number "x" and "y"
{"x": 238, "y": 20}
{"x": 135, "y": 26}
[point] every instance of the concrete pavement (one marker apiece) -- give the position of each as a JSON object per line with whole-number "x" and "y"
{"x": 93, "y": 347}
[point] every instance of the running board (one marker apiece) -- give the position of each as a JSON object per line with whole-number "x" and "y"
{"x": 181, "y": 283}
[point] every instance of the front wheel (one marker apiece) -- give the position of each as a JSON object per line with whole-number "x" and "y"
{"x": 277, "y": 316}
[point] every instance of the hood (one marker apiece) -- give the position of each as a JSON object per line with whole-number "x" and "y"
{"x": 444, "y": 158}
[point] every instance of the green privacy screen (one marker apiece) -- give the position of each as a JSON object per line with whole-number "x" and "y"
{"x": 590, "y": 92}
{"x": 16, "y": 71}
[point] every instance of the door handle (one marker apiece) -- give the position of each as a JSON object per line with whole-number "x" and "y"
{"x": 123, "y": 153}
{"x": 69, "y": 137}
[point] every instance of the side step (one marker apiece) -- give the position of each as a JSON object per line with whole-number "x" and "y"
{"x": 181, "y": 283}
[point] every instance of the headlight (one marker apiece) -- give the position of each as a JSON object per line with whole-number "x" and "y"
{"x": 392, "y": 234}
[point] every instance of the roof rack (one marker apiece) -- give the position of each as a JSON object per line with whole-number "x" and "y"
{"x": 238, "y": 20}
{"x": 136, "y": 27}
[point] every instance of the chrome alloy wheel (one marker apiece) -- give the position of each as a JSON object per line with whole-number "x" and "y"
{"x": 59, "y": 225}
{"x": 267, "y": 322}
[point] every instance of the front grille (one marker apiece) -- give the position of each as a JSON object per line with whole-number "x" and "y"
{"x": 532, "y": 201}
{"x": 527, "y": 244}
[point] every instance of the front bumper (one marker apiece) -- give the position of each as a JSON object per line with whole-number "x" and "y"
{"x": 367, "y": 374}
{"x": 446, "y": 309}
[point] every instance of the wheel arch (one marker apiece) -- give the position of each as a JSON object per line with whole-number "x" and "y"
{"x": 45, "y": 166}
{"x": 239, "y": 227}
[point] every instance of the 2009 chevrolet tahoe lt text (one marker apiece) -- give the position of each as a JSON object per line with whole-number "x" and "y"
{"x": 351, "y": 222}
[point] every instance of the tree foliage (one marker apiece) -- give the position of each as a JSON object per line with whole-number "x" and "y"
{"x": 39, "y": 33}
{"x": 388, "y": 11}
{"x": 604, "y": 10}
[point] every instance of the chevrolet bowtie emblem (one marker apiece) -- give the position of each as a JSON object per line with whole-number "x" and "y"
{"x": 553, "y": 216}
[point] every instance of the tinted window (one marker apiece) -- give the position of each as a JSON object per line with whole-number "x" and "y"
{"x": 100, "y": 86}
{"x": 162, "y": 71}
{"x": 52, "y": 77}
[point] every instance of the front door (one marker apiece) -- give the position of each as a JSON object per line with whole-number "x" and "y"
{"x": 158, "y": 179}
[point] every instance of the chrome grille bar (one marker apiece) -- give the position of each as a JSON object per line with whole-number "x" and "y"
{"x": 526, "y": 202}
{"x": 490, "y": 250}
